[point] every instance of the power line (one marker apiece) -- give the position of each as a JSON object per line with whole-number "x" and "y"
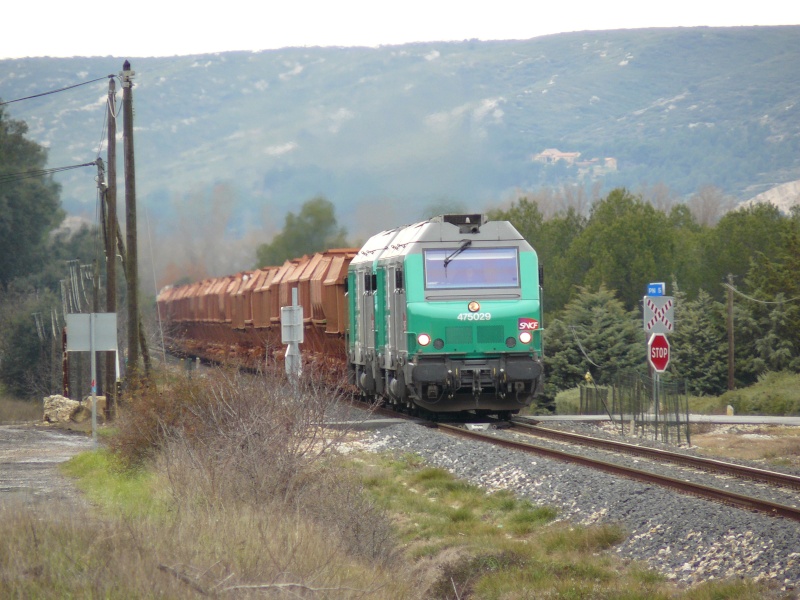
{"x": 733, "y": 289}
{"x": 69, "y": 87}
{"x": 14, "y": 177}
{"x": 103, "y": 130}
{"x": 577, "y": 341}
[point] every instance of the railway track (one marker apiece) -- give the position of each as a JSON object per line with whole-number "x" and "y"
{"x": 706, "y": 464}
{"x": 717, "y": 494}
{"x": 710, "y": 466}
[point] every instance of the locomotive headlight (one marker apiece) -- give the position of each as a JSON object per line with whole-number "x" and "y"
{"x": 525, "y": 337}
{"x": 423, "y": 339}
{"x": 473, "y": 306}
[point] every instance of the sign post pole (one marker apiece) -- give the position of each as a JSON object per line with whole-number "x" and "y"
{"x": 656, "y": 383}
{"x": 658, "y": 319}
{"x": 292, "y": 336}
{"x": 92, "y": 332}
{"x": 658, "y": 357}
{"x": 93, "y": 361}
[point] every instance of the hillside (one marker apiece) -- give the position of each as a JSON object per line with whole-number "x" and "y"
{"x": 240, "y": 138}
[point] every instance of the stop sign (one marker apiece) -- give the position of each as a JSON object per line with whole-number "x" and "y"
{"x": 658, "y": 352}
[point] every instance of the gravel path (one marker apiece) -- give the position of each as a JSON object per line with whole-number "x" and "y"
{"x": 29, "y": 459}
{"x": 685, "y": 538}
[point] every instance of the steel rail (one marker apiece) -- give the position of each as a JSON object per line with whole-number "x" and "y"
{"x": 687, "y": 487}
{"x": 707, "y": 464}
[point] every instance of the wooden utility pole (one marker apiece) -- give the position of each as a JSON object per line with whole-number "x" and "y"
{"x": 731, "y": 371}
{"x": 111, "y": 245}
{"x": 130, "y": 223}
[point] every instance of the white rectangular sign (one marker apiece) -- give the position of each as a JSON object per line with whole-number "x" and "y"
{"x": 79, "y": 327}
{"x": 291, "y": 324}
{"x": 659, "y": 314}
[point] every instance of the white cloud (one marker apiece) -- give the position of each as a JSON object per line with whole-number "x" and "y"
{"x": 339, "y": 118}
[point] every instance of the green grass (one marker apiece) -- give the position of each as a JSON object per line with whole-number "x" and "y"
{"x": 458, "y": 542}
{"x": 496, "y": 546}
{"x": 568, "y": 402}
{"x": 143, "y": 541}
{"x": 773, "y": 394}
{"x": 107, "y": 483}
{"x": 199, "y": 512}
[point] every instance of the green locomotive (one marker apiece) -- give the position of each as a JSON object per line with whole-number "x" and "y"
{"x": 446, "y": 316}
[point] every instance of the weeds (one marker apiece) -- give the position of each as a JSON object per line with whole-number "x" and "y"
{"x": 219, "y": 485}
{"x": 773, "y": 394}
{"x": 19, "y": 411}
{"x": 228, "y": 486}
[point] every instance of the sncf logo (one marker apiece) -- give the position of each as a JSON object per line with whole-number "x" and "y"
{"x": 526, "y": 323}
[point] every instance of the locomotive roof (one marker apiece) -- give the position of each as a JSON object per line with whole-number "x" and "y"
{"x": 448, "y": 229}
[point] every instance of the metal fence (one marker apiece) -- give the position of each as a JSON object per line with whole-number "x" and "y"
{"x": 641, "y": 406}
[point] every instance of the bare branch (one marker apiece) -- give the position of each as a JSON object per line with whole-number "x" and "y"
{"x": 185, "y": 579}
{"x": 269, "y": 586}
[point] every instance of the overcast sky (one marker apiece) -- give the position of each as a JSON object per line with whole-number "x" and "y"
{"x": 168, "y": 28}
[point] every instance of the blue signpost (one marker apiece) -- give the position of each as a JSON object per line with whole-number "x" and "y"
{"x": 658, "y": 320}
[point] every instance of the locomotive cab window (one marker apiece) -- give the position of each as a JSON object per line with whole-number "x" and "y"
{"x": 467, "y": 267}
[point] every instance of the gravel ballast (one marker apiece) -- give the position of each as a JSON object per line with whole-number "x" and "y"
{"x": 685, "y": 538}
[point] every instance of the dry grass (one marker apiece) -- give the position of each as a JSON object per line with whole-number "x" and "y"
{"x": 226, "y": 486}
{"x": 228, "y": 553}
{"x": 19, "y": 411}
{"x": 773, "y": 444}
{"x": 222, "y": 486}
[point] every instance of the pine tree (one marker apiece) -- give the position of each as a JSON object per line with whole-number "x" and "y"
{"x": 594, "y": 334}
{"x": 699, "y": 346}
{"x": 775, "y": 307}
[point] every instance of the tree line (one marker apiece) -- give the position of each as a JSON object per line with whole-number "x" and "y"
{"x": 598, "y": 257}
{"x": 597, "y": 267}
{"x": 35, "y": 246}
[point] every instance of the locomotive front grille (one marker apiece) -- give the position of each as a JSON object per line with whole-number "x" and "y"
{"x": 458, "y": 335}
{"x": 486, "y": 334}
{"x": 490, "y": 334}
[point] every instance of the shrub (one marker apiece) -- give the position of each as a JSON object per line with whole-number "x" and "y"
{"x": 774, "y": 394}
{"x": 231, "y": 439}
{"x": 568, "y": 402}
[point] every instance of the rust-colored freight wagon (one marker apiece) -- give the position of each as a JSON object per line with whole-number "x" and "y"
{"x": 237, "y": 317}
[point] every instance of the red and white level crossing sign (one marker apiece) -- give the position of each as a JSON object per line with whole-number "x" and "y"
{"x": 659, "y": 314}
{"x": 658, "y": 352}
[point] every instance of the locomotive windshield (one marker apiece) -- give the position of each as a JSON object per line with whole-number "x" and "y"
{"x": 469, "y": 267}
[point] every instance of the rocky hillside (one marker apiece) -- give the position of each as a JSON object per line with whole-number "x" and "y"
{"x": 240, "y": 138}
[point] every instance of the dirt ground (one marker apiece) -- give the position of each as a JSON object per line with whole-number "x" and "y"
{"x": 29, "y": 459}
{"x": 774, "y": 445}
{"x": 30, "y": 454}
{"x": 771, "y": 445}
